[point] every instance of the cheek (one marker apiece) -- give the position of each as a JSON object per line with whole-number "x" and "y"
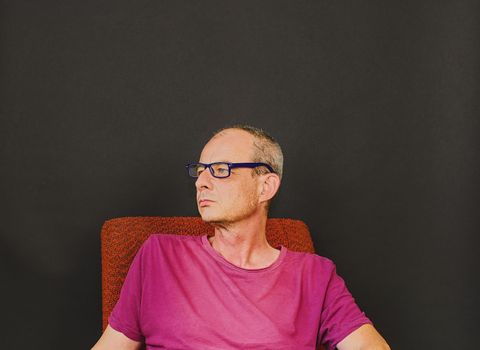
{"x": 230, "y": 196}
{"x": 236, "y": 195}
{"x": 249, "y": 193}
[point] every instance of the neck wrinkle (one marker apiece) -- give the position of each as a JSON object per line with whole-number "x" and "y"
{"x": 244, "y": 247}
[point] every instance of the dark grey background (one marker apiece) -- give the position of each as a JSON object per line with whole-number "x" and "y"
{"x": 375, "y": 104}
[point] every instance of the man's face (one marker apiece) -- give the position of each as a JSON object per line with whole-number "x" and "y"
{"x": 233, "y": 198}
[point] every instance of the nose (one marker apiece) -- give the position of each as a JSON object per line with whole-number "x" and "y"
{"x": 204, "y": 180}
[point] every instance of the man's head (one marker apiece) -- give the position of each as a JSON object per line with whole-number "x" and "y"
{"x": 246, "y": 192}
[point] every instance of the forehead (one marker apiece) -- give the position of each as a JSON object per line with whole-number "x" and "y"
{"x": 231, "y": 145}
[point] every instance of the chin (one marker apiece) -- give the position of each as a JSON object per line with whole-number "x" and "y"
{"x": 208, "y": 217}
{"x": 224, "y": 217}
{"x": 213, "y": 219}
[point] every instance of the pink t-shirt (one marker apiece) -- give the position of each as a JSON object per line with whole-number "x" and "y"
{"x": 181, "y": 294}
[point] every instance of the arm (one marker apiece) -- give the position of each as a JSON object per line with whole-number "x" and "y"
{"x": 364, "y": 338}
{"x": 114, "y": 340}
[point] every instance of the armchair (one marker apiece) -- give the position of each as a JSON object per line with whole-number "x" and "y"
{"x": 122, "y": 237}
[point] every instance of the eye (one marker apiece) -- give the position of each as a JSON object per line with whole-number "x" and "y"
{"x": 199, "y": 169}
{"x": 220, "y": 169}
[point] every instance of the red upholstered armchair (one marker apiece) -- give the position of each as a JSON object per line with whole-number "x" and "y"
{"x": 122, "y": 237}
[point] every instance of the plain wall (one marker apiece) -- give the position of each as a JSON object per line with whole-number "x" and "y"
{"x": 375, "y": 105}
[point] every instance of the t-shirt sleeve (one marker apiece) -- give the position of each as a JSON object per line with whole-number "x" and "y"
{"x": 340, "y": 315}
{"x": 125, "y": 316}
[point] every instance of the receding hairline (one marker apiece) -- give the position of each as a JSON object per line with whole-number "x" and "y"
{"x": 257, "y": 133}
{"x": 261, "y": 140}
{"x": 226, "y": 131}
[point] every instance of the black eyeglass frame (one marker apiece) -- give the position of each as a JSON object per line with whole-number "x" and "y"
{"x": 230, "y": 167}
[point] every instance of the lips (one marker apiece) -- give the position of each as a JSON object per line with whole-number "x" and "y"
{"x": 204, "y": 202}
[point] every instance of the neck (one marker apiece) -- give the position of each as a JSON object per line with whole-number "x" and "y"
{"x": 244, "y": 243}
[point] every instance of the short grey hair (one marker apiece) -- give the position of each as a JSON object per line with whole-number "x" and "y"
{"x": 266, "y": 148}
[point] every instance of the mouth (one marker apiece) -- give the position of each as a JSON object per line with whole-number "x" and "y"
{"x": 205, "y": 202}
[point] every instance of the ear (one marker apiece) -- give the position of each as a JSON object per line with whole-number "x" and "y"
{"x": 268, "y": 186}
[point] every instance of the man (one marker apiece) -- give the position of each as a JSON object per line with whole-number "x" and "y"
{"x": 233, "y": 290}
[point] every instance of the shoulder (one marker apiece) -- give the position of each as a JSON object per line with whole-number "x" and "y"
{"x": 165, "y": 237}
{"x": 311, "y": 259}
{"x": 164, "y": 249}
{"x": 315, "y": 272}
{"x": 167, "y": 242}
{"x": 311, "y": 266}
{"x": 161, "y": 239}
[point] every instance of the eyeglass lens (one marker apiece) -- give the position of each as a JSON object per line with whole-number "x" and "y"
{"x": 218, "y": 169}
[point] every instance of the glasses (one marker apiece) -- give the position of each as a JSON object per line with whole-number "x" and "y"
{"x": 221, "y": 170}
